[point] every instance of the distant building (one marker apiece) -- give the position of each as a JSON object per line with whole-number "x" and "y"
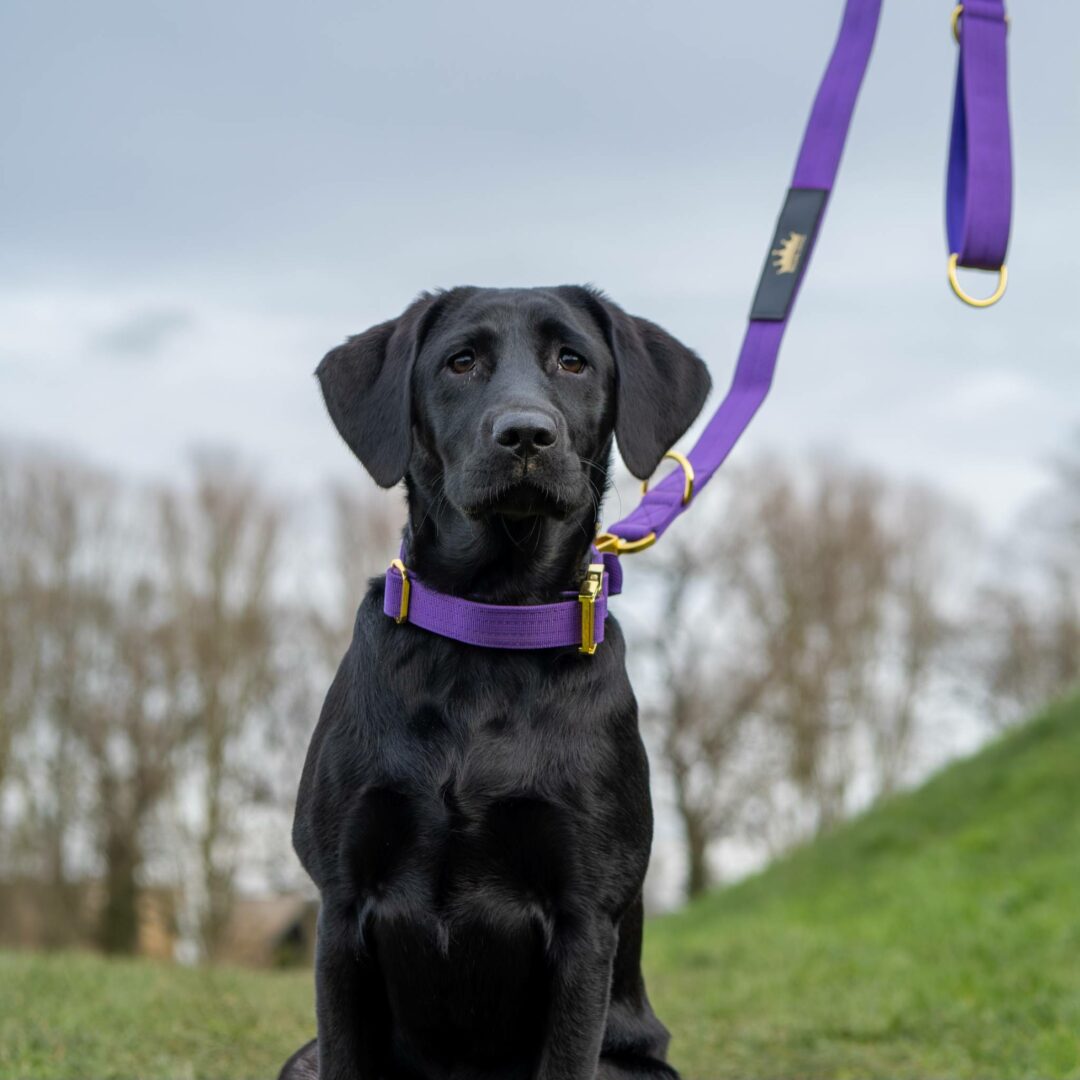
{"x": 273, "y": 931}
{"x": 36, "y": 915}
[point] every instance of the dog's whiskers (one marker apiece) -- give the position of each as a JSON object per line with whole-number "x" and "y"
{"x": 434, "y": 506}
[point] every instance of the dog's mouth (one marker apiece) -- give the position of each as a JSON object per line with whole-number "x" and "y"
{"x": 525, "y": 499}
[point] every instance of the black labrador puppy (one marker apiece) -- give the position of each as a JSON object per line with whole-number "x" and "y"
{"x": 478, "y": 821}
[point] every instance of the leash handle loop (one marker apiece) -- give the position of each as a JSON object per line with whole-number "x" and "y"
{"x": 978, "y": 193}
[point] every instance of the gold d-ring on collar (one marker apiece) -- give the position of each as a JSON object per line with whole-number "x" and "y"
{"x": 974, "y": 301}
{"x": 688, "y": 476}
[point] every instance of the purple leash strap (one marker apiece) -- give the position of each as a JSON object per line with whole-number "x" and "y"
{"x": 978, "y": 200}
{"x": 815, "y": 174}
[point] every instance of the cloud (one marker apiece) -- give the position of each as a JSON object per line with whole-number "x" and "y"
{"x": 186, "y": 231}
{"x": 987, "y": 394}
{"x": 143, "y": 334}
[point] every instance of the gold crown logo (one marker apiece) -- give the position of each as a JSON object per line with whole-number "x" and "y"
{"x": 786, "y": 256}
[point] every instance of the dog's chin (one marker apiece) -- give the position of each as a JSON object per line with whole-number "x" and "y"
{"x": 526, "y": 500}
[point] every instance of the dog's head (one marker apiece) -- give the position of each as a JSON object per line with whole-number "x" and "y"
{"x": 511, "y": 396}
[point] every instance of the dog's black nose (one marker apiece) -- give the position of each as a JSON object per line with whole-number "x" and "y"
{"x": 524, "y": 431}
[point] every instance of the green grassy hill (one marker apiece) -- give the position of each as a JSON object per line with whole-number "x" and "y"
{"x": 936, "y": 937}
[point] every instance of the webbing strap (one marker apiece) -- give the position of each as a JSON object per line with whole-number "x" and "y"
{"x": 978, "y": 201}
{"x": 815, "y": 174}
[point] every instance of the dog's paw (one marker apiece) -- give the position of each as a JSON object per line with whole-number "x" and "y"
{"x": 303, "y": 1065}
{"x": 635, "y": 1068}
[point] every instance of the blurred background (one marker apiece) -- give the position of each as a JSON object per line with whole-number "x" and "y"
{"x": 198, "y": 201}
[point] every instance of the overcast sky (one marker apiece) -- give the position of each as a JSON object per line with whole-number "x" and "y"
{"x": 198, "y": 199}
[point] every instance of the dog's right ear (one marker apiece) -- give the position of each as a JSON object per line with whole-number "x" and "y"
{"x": 366, "y": 384}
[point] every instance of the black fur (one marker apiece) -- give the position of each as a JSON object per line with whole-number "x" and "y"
{"x": 477, "y": 821}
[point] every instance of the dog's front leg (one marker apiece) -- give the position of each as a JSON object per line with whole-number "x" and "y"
{"x": 580, "y": 987}
{"x": 350, "y": 1001}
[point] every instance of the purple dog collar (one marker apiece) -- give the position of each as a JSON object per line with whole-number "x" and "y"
{"x": 578, "y": 621}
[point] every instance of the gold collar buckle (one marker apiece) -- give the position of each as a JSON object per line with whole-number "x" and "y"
{"x": 591, "y": 589}
{"x": 406, "y": 588}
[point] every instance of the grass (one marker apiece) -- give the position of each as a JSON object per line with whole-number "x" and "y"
{"x": 79, "y": 1016}
{"x": 936, "y": 936}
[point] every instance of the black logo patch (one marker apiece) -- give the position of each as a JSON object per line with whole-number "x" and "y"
{"x": 788, "y": 253}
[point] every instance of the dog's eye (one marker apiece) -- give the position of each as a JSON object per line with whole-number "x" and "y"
{"x": 570, "y": 361}
{"x": 462, "y": 363}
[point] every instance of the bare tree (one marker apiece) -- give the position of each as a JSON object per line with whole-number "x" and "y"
{"x": 220, "y": 545}
{"x": 802, "y": 625}
{"x": 20, "y": 652}
{"x": 702, "y": 697}
{"x": 133, "y": 731}
{"x": 366, "y": 527}
{"x": 929, "y": 537}
{"x": 1032, "y": 611}
{"x": 1064, "y": 571}
{"x": 811, "y": 563}
{"x": 87, "y": 664}
{"x": 67, "y": 512}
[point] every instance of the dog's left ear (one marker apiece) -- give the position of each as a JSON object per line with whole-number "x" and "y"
{"x": 366, "y": 384}
{"x": 661, "y": 385}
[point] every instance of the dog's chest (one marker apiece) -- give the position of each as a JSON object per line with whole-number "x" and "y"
{"x": 484, "y": 790}
{"x": 466, "y": 813}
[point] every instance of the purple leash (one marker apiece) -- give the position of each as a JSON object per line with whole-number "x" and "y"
{"x": 789, "y": 255}
{"x": 978, "y": 210}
